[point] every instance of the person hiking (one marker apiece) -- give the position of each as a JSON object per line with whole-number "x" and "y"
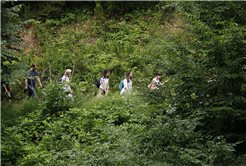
{"x": 67, "y": 87}
{"x": 104, "y": 82}
{"x": 127, "y": 82}
{"x": 156, "y": 81}
{"x": 7, "y": 88}
{"x": 30, "y": 83}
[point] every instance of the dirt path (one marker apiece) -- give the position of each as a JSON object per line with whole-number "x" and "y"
{"x": 30, "y": 38}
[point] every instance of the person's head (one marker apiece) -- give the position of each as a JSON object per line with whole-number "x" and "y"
{"x": 68, "y": 72}
{"x": 34, "y": 66}
{"x": 106, "y": 73}
{"x": 158, "y": 75}
{"x": 129, "y": 75}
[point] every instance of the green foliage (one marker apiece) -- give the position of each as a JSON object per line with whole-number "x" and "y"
{"x": 55, "y": 98}
{"x": 12, "y": 145}
{"x": 57, "y": 14}
{"x": 188, "y": 121}
{"x": 46, "y": 132}
{"x": 157, "y": 138}
{"x": 60, "y": 13}
{"x": 11, "y": 67}
{"x": 115, "y": 41}
{"x": 127, "y": 9}
{"x": 222, "y": 12}
{"x": 215, "y": 53}
{"x": 11, "y": 112}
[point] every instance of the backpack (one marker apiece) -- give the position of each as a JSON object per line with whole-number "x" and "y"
{"x": 60, "y": 81}
{"x": 98, "y": 82}
{"x": 121, "y": 85}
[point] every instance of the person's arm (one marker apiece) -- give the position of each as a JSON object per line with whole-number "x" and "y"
{"x": 6, "y": 90}
{"x": 164, "y": 82}
{"x": 26, "y": 81}
{"x": 103, "y": 84}
{"x": 40, "y": 83}
{"x": 125, "y": 84}
{"x": 107, "y": 88}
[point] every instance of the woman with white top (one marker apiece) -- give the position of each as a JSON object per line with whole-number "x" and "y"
{"x": 127, "y": 82}
{"x": 104, "y": 82}
{"x": 156, "y": 81}
{"x": 66, "y": 78}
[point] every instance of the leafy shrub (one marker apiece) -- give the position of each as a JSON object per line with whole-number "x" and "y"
{"x": 187, "y": 122}
{"x": 159, "y": 137}
{"x": 214, "y": 50}
{"x": 12, "y": 145}
{"x": 55, "y": 99}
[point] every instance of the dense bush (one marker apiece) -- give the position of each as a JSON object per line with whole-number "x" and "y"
{"x": 58, "y": 14}
{"x": 188, "y": 121}
{"x": 12, "y": 69}
{"x": 216, "y": 53}
{"x": 116, "y": 45}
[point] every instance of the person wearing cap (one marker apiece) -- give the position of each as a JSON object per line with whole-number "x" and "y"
{"x": 67, "y": 87}
{"x": 30, "y": 83}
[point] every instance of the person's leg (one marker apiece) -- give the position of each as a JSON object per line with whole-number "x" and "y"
{"x": 102, "y": 92}
{"x": 32, "y": 92}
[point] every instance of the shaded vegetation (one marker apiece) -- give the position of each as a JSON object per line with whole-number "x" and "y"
{"x": 194, "y": 119}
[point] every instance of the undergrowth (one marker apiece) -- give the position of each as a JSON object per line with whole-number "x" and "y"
{"x": 90, "y": 47}
{"x": 185, "y": 122}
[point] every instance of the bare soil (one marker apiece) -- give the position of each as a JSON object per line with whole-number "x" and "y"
{"x": 30, "y": 38}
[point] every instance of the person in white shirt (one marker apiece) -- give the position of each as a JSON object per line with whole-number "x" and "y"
{"x": 127, "y": 82}
{"x": 156, "y": 81}
{"x": 66, "y": 78}
{"x": 104, "y": 83}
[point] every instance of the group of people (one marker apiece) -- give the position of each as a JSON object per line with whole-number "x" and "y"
{"x": 103, "y": 87}
{"x": 127, "y": 82}
{"x": 29, "y": 83}
{"x": 104, "y": 82}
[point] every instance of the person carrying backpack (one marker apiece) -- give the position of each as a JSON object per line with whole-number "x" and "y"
{"x": 67, "y": 79}
{"x": 127, "y": 82}
{"x": 104, "y": 83}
